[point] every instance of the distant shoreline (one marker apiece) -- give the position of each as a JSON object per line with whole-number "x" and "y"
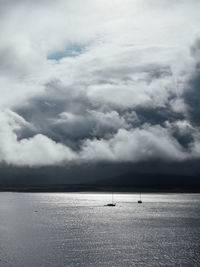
{"x": 97, "y": 189}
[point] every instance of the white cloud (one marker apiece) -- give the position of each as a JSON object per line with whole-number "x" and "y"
{"x": 135, "y": 145}
{"x": 132, "y": 145}
{"x": 36, "y": 151}
{"x": 130, "y": 54}
{"x": 118, "y": 34}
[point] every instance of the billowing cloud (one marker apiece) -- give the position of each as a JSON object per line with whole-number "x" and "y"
{"x": 95, "y": 81}
{"x": 126, "y": 145}
{"x": 192, "y": 90}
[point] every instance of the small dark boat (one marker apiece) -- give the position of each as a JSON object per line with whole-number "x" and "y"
{"x": 111, "y": 204}
{"x": 140, "y": 200}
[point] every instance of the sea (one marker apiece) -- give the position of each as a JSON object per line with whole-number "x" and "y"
{"x": 76, "y": 229}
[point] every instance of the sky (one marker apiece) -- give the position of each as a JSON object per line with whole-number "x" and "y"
{"x": 94, "y": 81}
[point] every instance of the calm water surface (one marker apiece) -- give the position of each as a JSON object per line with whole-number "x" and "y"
{"x": 54, "y": 229}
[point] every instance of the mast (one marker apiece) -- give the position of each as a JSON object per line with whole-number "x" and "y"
{"x": 140, "y": 200}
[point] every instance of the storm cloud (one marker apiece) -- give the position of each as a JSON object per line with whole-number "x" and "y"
{"x": 98, "y": 81}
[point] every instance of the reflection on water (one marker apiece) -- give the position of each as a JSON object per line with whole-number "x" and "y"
{"x": 54, "y": 229}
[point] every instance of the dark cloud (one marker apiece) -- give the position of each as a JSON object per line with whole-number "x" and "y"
{"x": 151, "y": 173}
{"x": 192, "y": 92}
{"x": 192, "y": 98}
{"x": 158, "y": 115}
{"x": 57, "y": 120}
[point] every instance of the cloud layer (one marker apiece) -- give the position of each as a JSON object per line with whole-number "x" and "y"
{"x": 98, "y": 81}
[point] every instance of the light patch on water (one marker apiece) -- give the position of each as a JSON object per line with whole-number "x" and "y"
{"x": 76, "y": 229}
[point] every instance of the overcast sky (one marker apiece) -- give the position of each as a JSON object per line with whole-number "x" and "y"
{"x": 99, "y": 81}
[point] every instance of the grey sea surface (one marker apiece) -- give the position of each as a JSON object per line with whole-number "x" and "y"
{"x": 76, "y": 229}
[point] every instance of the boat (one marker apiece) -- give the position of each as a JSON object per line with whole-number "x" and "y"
{"x": 112, "y": 204}
{"x": 140, "y": 200}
